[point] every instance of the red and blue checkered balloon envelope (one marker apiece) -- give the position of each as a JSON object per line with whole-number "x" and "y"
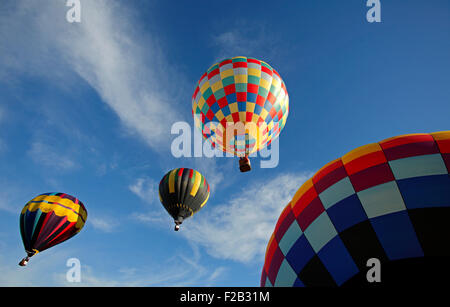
{"x": 241, "y": 105}
{"x": 50, "y": 219}
{"x": 385, "y": 204}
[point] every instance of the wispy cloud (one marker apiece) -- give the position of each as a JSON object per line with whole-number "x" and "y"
{"x": 146, "y": 189}
{"x": 103, "y": 224}
{"x": 50, "y": 269}
{"x": 13, "y": 196}
{"x": 108, "y": 50}
{"x": 47, "y": 156}
{"x": 2, "y": 142}
{"x": 247, "y": 39}
{"x": 240, "y": 228}
{"x": 154, "y": 214}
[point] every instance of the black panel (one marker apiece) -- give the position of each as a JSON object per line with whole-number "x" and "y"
{"x": 432, "y": 226}
{"x": 362, "y": 243}
{"x": 412, "y": 272}
{"x": 315, "y": 274}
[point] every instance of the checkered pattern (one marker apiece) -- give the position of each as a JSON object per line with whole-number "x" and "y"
{"x": 240, "y": 90}
{"x": 389, "y": 200}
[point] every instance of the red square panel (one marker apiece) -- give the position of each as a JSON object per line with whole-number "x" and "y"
{"x": 310, "y": 213}
{"x": 372, "y": 176}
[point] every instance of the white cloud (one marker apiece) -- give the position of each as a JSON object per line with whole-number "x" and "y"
{"x": 13, "y": 196}
{"x": 48, "y": 156}
{"x": 215, "y": 170}
{"x": 107, "y": 49}
{"x": 244, "y": 39}
{"x": 103, "y": 224}
{"x": 6, "y": 204}
{"x": 146, "y": 189}
{"x": 240, "y": 229}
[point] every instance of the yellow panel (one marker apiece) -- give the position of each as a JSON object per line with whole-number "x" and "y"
{"x": 265, "y": 84}
{"x": 250, "y": 107}
{"x": 361, "y": 151}
{"x": 255, "y": 118}
{"x": 233, "y": 108}
{"x": 57, "y": 199}
{"x": 226, "y": 73}
{"x": 264, "y": 114}
{"x": 58, "y": 210}
{"x": 197, "y": 180}
{"x": 275, "y": 82}
{"x": 240, "y": 79}
{"x": 440, "y": 136}
{"x": 305, "y": 187}
{"x": 201, "y": 102}
{"x": 172, "y": 181}
{"x": 204, "y": 87}
{"x": 242, "y": 116}
{"x": 219, "y": 115}
{"x": 216, "y": 86}
{"x": 254, "y": 72}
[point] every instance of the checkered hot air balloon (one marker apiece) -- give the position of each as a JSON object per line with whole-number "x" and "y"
{"x": 240, "y": 105}
{"x": 50, "y": 219}
{"x": 388, "y": 200}
{"x": 183, "y": 192}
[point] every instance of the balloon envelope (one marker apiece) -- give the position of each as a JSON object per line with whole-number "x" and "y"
{"x": 388, "y": 200}
{"x": 50, "y": 219}
{"x": 183, "y": 192}
{"x": 240, "y": 105}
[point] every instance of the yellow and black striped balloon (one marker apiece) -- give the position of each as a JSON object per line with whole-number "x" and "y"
{"x": 183, "y": 191}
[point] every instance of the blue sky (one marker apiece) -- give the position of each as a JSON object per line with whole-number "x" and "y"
{"x": 86, "y": 109}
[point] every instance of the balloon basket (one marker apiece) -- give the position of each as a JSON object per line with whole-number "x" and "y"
{"x": 244, "y": 165}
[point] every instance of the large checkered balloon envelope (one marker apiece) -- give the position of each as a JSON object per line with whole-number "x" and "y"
{"x": 379, "y": 213}
{"x": 240, "y": 105}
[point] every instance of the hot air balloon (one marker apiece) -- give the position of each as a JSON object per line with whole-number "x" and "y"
{"x": 388, "y": 201}
{"x": 49, "y": 219}
{"x": 240, "y": 105}
{"x": 183, "y": 192}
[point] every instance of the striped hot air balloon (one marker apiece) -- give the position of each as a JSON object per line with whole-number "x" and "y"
{"x": 183, "y": 192}
{"x": 388, "y": 201}
{"x": 50, "y": 219}
{"x": 240, "y": 105}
